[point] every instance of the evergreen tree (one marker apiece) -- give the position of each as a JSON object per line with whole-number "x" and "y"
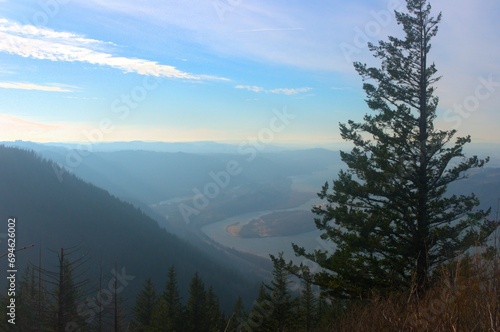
{"x": 328, "y": 312}
{"x": 66, "y": 287}
{"x": 29, "y": 302}
{"x": 389, "y": 213}
{"x": 159, "y": 317}
{"x": 27, "y": 292}
{"x": 65, "y": 295}
{"x": 144, "y": 306}
{"x": 196, "y": 305}
{"x": 279, "y": 295}
{"x": 214, "y": 320}
{"x": 174, "y": 308}
{"x": 120, "y": 311}
{"x": 259, "y": 318}
{"x": 238, "y": 316}
{"x": 308, "y": 303}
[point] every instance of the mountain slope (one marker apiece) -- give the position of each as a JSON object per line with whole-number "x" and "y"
{"x": 52, "y": 214}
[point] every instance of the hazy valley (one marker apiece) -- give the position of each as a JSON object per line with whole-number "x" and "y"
{"x": 207, "y": 193}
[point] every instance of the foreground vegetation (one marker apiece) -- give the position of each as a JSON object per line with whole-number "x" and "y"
{"x": 464, "y": 296}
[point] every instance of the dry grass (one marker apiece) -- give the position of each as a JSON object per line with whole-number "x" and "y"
{"x": 465, "y": 297}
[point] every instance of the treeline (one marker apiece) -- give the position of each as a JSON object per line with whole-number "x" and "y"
{"x": 63, "y": 299}
{"x": 284, "y": 304}
{"x": 166, "y": 311}
{"x": 464, "y": 296}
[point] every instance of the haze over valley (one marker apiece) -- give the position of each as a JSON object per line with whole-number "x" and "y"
{"x": 257, "y": 203}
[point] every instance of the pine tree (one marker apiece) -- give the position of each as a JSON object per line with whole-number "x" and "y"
{"x": 279, "y": 295}
{"x": 238, "y": 316}
{"x": 196, "y": 305}
{"x": 389, "y": 214}
{"x": 120, "y": 312}
{"x": 328, "y": 312}
{"x": 26, "y": 299}
{"x": 67, "y": 284}
{"x": 172, "y": 298}
{"x": 144, "y": 306}
{"x": 28, "y": 302}
{"x": 159, "y": 317}
{"x": 259, "y": 318}
{"x": 308, "y": 302}
{"x": 214, "y": 320}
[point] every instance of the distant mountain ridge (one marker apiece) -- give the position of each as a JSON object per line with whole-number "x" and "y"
{"x": 198, "y": 147}
{"x": 187, "y": 147}
{"x": 202, "y": 147}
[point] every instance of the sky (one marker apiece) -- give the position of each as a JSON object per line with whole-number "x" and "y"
{"x": 225, "y": 70}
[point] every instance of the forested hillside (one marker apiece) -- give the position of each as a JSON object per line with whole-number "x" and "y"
{"x": 53, "y": 214}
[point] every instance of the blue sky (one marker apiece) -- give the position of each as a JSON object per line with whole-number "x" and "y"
{"x": 185, "y": 70}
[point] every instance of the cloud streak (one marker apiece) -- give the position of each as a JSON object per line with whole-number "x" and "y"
{"x": 32, "y": 86}
{"x": 45, "y": 44}
{"x": 252, "y": 88}
{"x": 270, "y": 29}
{"x": 20, "y": 125}
{"x": 281, "y": 91}
{"x": 289, "y": 92}
{"x": 293, "y": 34}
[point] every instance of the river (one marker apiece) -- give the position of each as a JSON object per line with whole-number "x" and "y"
{"x": 268, "y": 245}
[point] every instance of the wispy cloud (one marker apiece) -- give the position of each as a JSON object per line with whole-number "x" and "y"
{"x": 270, "y": 29}
{"x": 288, "y": 91}
{"x": 250, "y": 88}
{"x": 46, "y": 44}
{"x": 20, "y": 125}
{"x": 325, "y": 26}
{"x": 32, "y": 128}
{"x": 294, "y": 33}
{"x": 32, "y": 86}
{"x": 283, "y": 91}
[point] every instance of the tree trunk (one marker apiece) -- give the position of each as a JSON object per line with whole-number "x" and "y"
{"x": 422, "y": 223}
